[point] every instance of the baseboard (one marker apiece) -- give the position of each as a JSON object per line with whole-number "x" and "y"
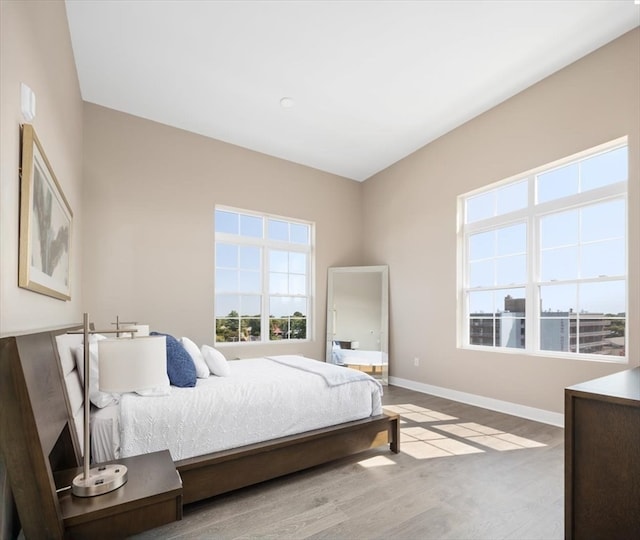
{"x": 514, "y": 409}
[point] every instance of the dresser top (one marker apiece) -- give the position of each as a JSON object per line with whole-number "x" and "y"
{"x": 624, "y": 384}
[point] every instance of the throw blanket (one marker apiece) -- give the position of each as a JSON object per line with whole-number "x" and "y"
{"x": 332, "y": 374}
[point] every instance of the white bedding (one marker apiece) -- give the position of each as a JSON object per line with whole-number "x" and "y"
{"x": 262, "y": 399}
{"x": 358, "y": 357}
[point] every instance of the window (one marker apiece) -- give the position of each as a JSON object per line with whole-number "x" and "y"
{"x": 543, "y": 260}
{"x": 263, "y": 277}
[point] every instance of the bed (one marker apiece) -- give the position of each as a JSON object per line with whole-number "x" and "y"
{"x": 369, "y": 361}
{"x": 40, "y": 434}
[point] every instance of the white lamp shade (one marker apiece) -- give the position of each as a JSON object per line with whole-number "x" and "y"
{"x": 130, "y": 365}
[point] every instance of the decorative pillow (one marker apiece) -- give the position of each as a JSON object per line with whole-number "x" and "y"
{"x": 98, "y": 398}
{"x": 202, "y": 369}
{"x": 216, "y": 361}
{"x": 180, "y": 367}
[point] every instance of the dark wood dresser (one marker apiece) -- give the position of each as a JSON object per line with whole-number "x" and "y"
{"x": 602, "y": 458}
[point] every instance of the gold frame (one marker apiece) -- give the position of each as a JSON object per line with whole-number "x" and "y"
{"x": 44, "y": 263}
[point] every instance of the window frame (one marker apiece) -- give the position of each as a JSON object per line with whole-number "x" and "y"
{"x": 532, "y": 214}
{"x": 266, "y": 246}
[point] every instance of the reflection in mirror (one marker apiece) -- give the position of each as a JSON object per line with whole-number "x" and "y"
{"x": 357, "y": 319}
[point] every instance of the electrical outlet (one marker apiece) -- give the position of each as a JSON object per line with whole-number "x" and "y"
{"x": 416, "y": 361}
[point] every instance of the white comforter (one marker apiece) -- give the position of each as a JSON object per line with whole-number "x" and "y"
{"x": 261, "y": 400}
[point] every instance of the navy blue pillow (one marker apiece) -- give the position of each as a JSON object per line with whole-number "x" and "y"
{"x": 180, "y": 367}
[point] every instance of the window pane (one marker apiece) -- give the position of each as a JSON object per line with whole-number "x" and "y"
{"x": 481, "y": 273}
{"x": 605, "y": 169}
{"x": 226, "y": 256}
{"x": 297, "y": 284}
{"x": 481, "y": 331}
{"x": 511, "y": 197}
{"x": 610, "y": 343}
{"x": 606, "y": 297}
{"x": 512, "y": 301}
{"x": 560, "y": 229}
{"x": 250, "y": 226}
{"x": 592, "y": 334}
{"x": 249, "y": 281}
{"x": 278, "y": 261}
{"x": 603, "y": 221}
{"x": 226, "y": 222}
{"x": 481, "y": 302}
{"x": 481, "y": 245}
{"x": 511, "y": 270}
{"x": 297, "y": 263}
{"x": 510, "y": 332}
{"x": 557, "y": 183}
{"x": 555, "y": 332}
{"x": 603, "y": 259}
{"x": 228, "y": 329}
{"x": 511, "y": 240}
{"x": 480, "y": 207}
{"x": 278, "y": 230}
{"x": 250, "y": 258}
{"x": 300, "y": 233}
{"x": 298, "y": 327}
{"x": 250, "y": 330}
{"x": 250, "y": 305}
{"x": 227, "y": 304}
{"x": 278, "y": 283}
{"x": 284, "y": 306}
{"x": 558, "y": 264}
{"x": 558, "y": 300}
{"x": 226, "y": 280}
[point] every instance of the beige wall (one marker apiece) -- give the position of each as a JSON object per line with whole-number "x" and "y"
{"x": 150, "y": 192}
{"x": 36, "y": 49}
{"x": 410, "y": 219}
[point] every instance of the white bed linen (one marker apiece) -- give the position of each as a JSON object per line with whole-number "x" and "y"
{"x": 358, "y": 357}
{"x": 261, "y": 400}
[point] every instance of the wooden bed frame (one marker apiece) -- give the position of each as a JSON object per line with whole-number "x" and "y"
{"x": 38, "y": 438}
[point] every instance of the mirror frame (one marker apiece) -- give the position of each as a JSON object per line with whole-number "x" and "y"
{"x": 383, "y": 270}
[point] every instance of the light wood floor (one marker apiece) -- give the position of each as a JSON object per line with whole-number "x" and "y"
{"x": 463, "y": 473}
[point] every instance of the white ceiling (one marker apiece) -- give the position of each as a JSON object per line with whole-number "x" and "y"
{"x": 371, "y": 81}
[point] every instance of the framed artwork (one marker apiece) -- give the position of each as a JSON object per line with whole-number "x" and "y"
{"x": 45, "y": 224}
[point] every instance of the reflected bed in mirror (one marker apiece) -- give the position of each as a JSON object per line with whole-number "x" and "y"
{"x": 357, "y": 319}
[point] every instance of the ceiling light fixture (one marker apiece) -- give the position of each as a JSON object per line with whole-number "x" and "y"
{"x": 287, "y": 102}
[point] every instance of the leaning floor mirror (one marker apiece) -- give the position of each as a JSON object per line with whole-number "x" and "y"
{"x": 358, "y": 319}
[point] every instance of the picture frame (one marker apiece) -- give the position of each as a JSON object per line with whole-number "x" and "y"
{"x": 46, "y": 221}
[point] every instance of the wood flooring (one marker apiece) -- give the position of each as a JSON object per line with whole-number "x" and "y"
{"x": 463, "y": 473}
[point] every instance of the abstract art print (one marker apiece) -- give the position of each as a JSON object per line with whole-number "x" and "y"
{"x": 45, "y": 224}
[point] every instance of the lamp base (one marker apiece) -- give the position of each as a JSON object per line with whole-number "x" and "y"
{"x": 102, "y": 479}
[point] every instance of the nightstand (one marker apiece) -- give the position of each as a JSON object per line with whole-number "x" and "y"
{"x": 151, "y": 497}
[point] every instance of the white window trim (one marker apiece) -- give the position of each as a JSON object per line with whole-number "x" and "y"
{"x": 531, "y": 215}
{"x": 265, "y": 244}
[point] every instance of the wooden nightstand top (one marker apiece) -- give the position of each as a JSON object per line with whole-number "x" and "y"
{"x": 152, "y": 480}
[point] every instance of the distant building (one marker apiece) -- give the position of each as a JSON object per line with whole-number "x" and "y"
{"x": 559, "y": 331}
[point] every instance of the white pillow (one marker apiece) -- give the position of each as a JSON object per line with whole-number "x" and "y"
{"x": 202, "y": 369}
{"x": 216, "y": 361}
{"x": 66, "y": 343}
{"x": 98, "y": 398}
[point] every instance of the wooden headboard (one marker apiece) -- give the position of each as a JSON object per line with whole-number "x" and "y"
{"x": 37, "y": 435}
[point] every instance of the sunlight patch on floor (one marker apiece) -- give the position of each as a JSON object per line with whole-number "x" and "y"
{"x": 444, "y": 438}
{"x": 376, "y": 461}
{"x": 418, "y": 414}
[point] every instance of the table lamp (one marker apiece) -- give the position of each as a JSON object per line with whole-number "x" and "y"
{"x": 125, "y": 365}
